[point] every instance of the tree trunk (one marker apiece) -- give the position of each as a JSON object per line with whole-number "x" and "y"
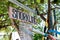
{"x": 55, "y": 27}
{"x": 49, "y": 16}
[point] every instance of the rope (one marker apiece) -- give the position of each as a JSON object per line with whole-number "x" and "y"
{"x": 42, "y": 33}
{"x": 54, "y": 31}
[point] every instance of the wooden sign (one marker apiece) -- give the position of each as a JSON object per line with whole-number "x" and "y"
{"x": 25, "y": 32}
{"x": 15, "y": 14}
{"x": 24, "y": 28}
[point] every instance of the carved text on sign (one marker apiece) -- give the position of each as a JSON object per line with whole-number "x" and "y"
{"x": 14, "y": 13}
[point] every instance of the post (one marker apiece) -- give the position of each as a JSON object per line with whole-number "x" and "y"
{"x": 49, "y": 16}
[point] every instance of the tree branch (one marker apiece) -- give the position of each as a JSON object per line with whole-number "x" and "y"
{"x": 41, "y": 15}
